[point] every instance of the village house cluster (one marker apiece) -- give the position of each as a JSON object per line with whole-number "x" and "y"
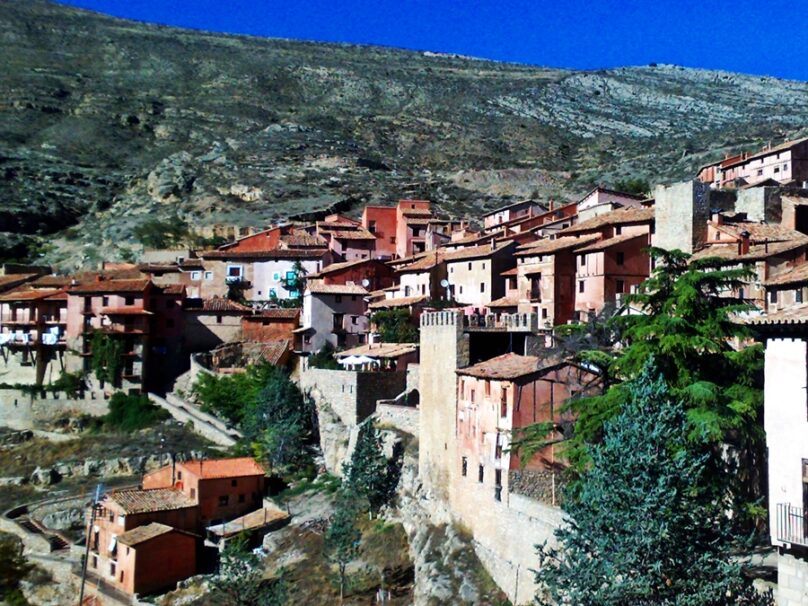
{"x": 484, "y": 299}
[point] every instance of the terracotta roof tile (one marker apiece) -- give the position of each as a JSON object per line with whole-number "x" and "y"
{"x": 796, "y": 275}
{"x": 620, "y": 216}
{"x": 335, "y": 267}
{"x": 318, "y": 287}
{"x": 504, "y": 302}
{"x": 380, "y": 350}
{"x": 399, "y": 302}
{"x": 609, "y": 242}
{"x": 110, "y": 285}
{"x": 156, "y": 499}
{"x": 30, "y": 294}
{"x": 475, "y": 252}
{"x": 221, "y": 304}
{"x": 757, "y": 252}
{"x": 51, "y": 281}
{"x": 766, "y": 152}
{"x": 222, "y": 468}
{"x": 424, "y": 262}
{"x": 514, "y": 205}
{"x": 279, "y": 313}
{"x": 506, "y": 367}
{"x": 303, "y": 240}
{"x": 312, "y": 253}
{"x": 549, "y": 247}
{"x": 13, "y": 280}
{"x": 144, "y": 533}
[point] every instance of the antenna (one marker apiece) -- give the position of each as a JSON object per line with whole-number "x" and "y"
{"x": 99, "y": 490}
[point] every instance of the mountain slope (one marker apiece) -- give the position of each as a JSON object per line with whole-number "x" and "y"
{"x": 106, "y": 122}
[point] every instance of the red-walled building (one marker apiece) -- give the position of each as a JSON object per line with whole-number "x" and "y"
{"x": 378, "y": 274}
{"x": 270, "y": 325}
{"x": 381, "y": 221}
{"x": 222, "y": 488}
{"x": 498, "y": 397}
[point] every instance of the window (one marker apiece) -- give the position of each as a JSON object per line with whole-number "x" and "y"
{"x": 179, "y": 475}
{"x": 233, "y": 482}
{"x": 621, "y": 258}
{"x": 105, "y": 301}
{"x": 488, "y": 388}
{"x": 95, "y": 561}
{"x": 776, "y": 169}
{"x": 224, "y": 500}
{"x": 196, "y": 275}
{"x": 464, "y": 466}
{"x": 241, "y": 498}
{"x": 129, "y": 300}
{"x": 372, "y": 227}
{"x": 798, "y": 295}
{"x": 338, "y": 299}
{"x": 759, "y": 172}
{"x": 353, "y": 297}
{"x": 290, "y": 278}
{"x": 582, "y": 260}
{"x": 121, "y": 577}
{"x": 460, "y": 289}
{"x": 112, "y": 569}
{"x": 785, "y": 167}
{"x": 193, "y": 493}
{"x": 772, "y": 296}
{"x": 469, "y": 265}
{"x": 580, "y": 286}
{"x": 620, "y": 286}
{"x": 482, "y": 286}
{"x": 618, "y": 230}
{"x": 498, "y": 484}
{"x": 219, "y": 319}
{"x": 480, "y": 474}
{"x": 208, "y": 275}
{"x": 503, "y": 402}
{"x": 544, "y": 313}
{"x": 234, "y": 272}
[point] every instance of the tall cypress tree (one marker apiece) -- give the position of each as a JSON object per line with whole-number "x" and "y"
{"x": 647, "y": 523}
{"x": 367, "y": 476}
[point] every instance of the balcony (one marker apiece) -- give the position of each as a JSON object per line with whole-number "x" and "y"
{"x": 791, "y": 525}
{"x": 521, "y": 322}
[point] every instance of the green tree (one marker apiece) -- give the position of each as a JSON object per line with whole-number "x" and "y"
{"x": 637, "y": 186}
{"x": 647, "y": 525}
{"x": 324, "y": 359}
{"x": 129, "y": 413}
{"x": 236, "y": 289}
{"x": 14, "y": 567}
{"x": 343, "y": 538}
{"x": 366, "y": 475}
{"x": 107, "y": 357}
{"x": 163, "y": 233}
{"x": 240, "y": 579}
{"x": 687, "y": 327}
{"x": 395, "y": 326}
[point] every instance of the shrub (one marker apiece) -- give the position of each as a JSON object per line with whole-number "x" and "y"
{"x": 128, "y": 413}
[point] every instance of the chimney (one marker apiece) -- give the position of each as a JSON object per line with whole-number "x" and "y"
{"x": 743, "y": 243}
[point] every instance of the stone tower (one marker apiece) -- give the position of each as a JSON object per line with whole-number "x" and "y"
{"x": 682, "y": 212}
{"x": 444, "y": 348}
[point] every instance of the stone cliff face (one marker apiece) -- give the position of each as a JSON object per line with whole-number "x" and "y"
{"x": 107, "y": 123}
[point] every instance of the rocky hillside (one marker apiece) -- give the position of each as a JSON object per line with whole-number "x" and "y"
{"x": 106, "y": 122}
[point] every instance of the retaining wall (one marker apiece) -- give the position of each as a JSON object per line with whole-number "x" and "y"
{"x": 20, "y": 410}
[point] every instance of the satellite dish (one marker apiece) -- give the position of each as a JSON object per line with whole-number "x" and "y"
{"x": 365, "y": 282}
{"x": 444, "y": 283}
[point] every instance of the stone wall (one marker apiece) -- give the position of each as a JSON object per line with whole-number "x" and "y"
{"x": 760, "y": 204}
{"x": 19, "y": 410}
{"x": 343, "y": 400}
{"x": 540, "y": 485}
{"x": 792, "y": 580}
{"x": 404, "y": 418}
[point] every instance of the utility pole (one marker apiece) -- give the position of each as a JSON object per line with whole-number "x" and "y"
{"x": 93, "y": 510}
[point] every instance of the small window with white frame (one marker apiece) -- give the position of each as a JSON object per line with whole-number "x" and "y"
{"x": 208, "y": 276}
{"x": 235, "y": 272}
{"x": 196, "y": 275}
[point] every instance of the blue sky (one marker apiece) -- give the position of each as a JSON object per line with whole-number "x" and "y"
{"x": 758, "y": 37}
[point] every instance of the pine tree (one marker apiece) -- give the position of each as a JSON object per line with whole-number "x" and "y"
{"x": 647, "y": 524}
{"x": 342, "y": 539}
{"x": 367, "y": 474}
{"x": 687, "y": 327}
{"x": 240, "y": 580}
